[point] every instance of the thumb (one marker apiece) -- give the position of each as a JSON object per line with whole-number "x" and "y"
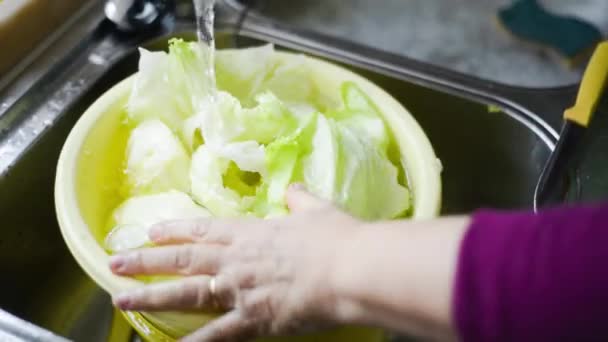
{"x": 299, "y": 199}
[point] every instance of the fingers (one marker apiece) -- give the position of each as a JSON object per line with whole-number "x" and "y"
{"x": 253, "y": 318}
{"x": 187, "y": 294}
{"x": 231, "y": 327}
{"x": 193, "y": 293}
{"x": 213, "y": 231}
{"x": 299, "y": 200}
{"x": 193, "y": 231}
{"x": 171, "y": 260}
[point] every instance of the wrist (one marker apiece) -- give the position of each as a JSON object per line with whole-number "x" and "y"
{"x": 347, "y": 308}
{"x": 398, "y": 275}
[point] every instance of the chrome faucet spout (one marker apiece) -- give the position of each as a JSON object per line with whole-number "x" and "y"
{"x": 137, "y": 15}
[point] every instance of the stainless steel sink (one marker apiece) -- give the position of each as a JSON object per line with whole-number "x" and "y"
{"x": 492, "y": 147}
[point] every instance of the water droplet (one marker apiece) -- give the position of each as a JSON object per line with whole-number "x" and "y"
{"x": 97, "y": 59}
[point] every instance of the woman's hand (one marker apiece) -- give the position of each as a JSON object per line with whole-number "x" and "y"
{"x": 271, "y": 277}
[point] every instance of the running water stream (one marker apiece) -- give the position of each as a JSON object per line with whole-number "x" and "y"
{"x": 205, "y": 20}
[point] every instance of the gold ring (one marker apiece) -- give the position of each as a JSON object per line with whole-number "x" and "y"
{"x": 213, "y": 293}
{"x": 212, "y": 286}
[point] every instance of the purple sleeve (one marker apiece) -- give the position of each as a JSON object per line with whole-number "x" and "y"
{"x": 526, "y": 277}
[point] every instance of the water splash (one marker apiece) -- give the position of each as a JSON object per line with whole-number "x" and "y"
{"x": 205, "y": 21}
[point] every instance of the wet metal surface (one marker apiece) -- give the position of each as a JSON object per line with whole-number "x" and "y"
{"x": 458, "y": 34}
{"x": 15, "y": 329}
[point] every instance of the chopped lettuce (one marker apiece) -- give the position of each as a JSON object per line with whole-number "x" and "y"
{"x": 291, "y": 82}
{"x": 225, "y": 121}
{"x": 367, "y": 184}
{"x": 320, "y": 167}
{"x": 360, "y": 115}
{"x": 283, "y": 160}
{"x": 156, "y": 160}
{"x": 233, "y": 152}
{"x": 151, "y": 96}
{"x": 246, "y": 73}
{"x": 171, "y": 87}
{"x": 242, "y": 71}
{"x": 208, "y": 172}
{"x": 346, "y": 168}
{"x": 132, "y": 219}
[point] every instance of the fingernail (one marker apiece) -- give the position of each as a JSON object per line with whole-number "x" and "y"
{"x": 297, "y": 187}
{"x": 117, "y": 263}
{"x": 155, "y": 232}
{"x": 123, "y": 302}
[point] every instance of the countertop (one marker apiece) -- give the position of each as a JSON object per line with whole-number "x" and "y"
{"x": 458, "y": 34}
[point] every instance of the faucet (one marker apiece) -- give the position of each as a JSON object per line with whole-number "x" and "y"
{"x": 135, "y": 15}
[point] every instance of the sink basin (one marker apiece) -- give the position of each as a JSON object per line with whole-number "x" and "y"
{"x": 492, "y": 152}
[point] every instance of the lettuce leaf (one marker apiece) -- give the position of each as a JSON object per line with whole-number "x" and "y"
{"x": 133, "y": 218}
{"x": 225, "y": 121}
{"x": 241, "y": 72}
{"x": 156, "y": 160}
{"x": 171, "y": 86}
{"x": 213, "y": 184}
{"x": 283, "y": 161}
{"x": 347, "y": 168}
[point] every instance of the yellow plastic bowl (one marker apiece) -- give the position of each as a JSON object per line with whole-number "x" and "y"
{"x": 89, "y": 169}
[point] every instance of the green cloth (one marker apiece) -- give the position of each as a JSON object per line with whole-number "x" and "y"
{"x": 569, "y": 36}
